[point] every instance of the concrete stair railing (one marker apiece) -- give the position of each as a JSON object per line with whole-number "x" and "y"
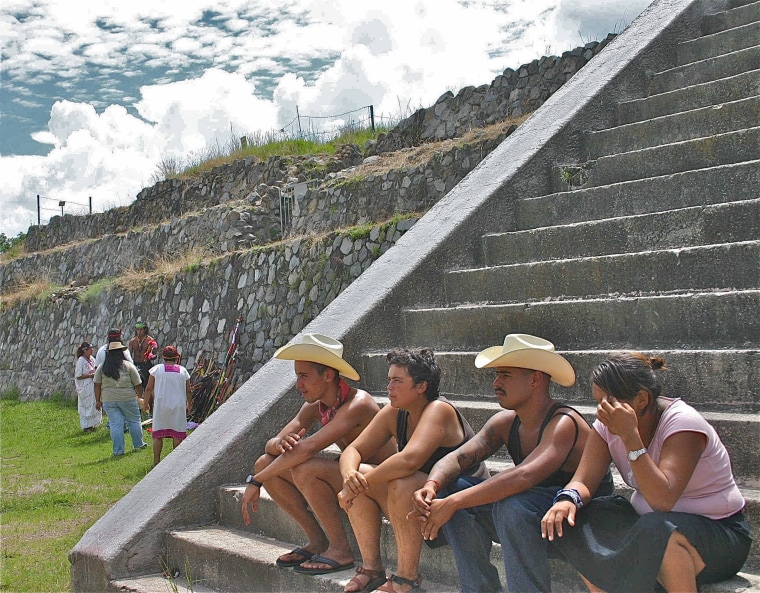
{"x": 653, "y": 246}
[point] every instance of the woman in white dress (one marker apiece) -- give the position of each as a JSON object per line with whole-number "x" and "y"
{"x": 168, "y": 393}
{"x": 89, "y": 416}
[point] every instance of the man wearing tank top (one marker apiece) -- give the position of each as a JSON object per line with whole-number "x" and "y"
{"x": 545, "y": 439}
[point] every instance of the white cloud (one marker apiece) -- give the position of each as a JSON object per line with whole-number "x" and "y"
{"x": 398, "y": 56}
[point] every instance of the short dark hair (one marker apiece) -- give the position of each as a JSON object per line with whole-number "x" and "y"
{"x": 421, "y": 365}
{"x": 321, "y": 368}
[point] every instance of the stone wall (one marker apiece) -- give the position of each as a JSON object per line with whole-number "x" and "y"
{"x": 277, "y": 290}
{"x": 174, "y": 198}
{"x": 212, "y": 231}
{"x": 511, "y": 94}
{"x": 360, "y": 196}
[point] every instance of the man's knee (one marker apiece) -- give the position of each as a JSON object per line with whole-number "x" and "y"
{"x": 263, "y": 462}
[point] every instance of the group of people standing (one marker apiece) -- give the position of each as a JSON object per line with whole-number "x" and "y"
{"x": 418, "y": 462}
{"x": 124, "y": 381}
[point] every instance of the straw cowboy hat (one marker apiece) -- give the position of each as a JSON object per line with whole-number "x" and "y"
{"x": 320, "y": 349}
{"x": 116, "y": 346}
{"x": 528, "y": 352}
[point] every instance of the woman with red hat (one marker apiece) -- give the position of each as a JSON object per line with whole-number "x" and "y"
{"x": 168, "y": 393}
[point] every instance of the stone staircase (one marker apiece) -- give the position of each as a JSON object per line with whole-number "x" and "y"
{"x": 641, "y": 233}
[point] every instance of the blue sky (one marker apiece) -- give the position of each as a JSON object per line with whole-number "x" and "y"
{"x": 94, "y": 95}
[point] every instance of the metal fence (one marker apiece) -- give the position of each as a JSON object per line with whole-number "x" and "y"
{"x": 61, "y": 204}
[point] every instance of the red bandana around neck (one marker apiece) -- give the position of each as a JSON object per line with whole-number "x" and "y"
{"x": 328, "y": 412}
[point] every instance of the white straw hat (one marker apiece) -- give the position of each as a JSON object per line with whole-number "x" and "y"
{"x": 321, "y": 350}
{"x": 528, "y": 352}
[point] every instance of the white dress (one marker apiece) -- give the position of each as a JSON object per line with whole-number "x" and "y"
{"x": 169, "y": 401}
{"x": 89, "y": 415}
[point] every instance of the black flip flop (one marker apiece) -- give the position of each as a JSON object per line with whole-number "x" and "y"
{"x": 304, "y": 554}
{"x": 333, "y": 564}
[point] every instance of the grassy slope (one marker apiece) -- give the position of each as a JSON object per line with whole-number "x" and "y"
{"x": 55, "y": 482}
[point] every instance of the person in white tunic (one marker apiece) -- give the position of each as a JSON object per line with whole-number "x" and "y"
{"x": 168, "y": 392}
{"x": 89, "y": 416}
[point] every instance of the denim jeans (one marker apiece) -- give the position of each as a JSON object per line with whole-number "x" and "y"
{"x": 515, "y": 522}
{"x": 120, "y": 413}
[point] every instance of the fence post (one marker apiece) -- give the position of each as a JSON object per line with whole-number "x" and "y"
{"x": 90, "y": 204}
{"x": 38, "y": 210}
{"x": 298, "y": 116}
{"x": 372, "y": 117}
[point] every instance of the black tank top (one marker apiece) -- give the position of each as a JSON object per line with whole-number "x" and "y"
{"x": 559, "y": 477}
{"x": 402, "y": 439}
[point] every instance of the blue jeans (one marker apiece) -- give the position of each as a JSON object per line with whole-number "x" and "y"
{"x": 515, "y": 522}
{"x": 120, "y": 413}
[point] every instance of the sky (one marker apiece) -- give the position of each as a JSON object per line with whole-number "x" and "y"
{"x": 95, "y": 95}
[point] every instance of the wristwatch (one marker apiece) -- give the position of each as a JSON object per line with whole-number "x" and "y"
{"x": 634, "y": 455}
{"x": 250, "y": 480}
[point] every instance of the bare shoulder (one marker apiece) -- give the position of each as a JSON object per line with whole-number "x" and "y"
{"x": 497, "y": 427}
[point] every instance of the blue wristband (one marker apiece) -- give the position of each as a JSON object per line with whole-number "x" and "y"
{"x": 572, "y": 494}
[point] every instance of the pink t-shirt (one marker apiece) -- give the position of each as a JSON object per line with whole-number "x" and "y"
{"x": 711, "y": 491}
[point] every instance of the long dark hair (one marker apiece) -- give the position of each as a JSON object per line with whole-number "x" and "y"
{"x": 624, "y": 375}
{"x": 421, "y": 365}
{"x": 113, "y": 364}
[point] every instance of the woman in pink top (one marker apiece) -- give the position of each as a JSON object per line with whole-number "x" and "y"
{"x": 684, "y": 525}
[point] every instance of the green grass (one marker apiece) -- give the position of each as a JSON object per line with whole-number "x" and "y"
{"x": 56, "y": 481}
{"x": 260, "y": 146}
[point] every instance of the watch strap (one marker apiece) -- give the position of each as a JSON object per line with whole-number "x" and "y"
{"x": 253, "y": 482}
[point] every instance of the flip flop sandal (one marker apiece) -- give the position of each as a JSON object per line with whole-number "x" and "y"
{"x": 304, "y": 554}
{"x": 316, "y": 558}
{"x": 375, "y": 578}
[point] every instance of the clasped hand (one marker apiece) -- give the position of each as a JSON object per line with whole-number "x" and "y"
{"x": 289, "y": 441}
{"x": 354, "y": 484}
{"x": 432, "y": 512}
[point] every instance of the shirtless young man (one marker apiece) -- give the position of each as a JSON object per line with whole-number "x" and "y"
{"x": 298, "y": 480}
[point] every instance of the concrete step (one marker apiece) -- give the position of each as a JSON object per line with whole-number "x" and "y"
{"x": 731, "y": 265}
{"x": 742, "y": 13}
{"x": 685, "y": 227}
{"x": 440, "y": 562}
{"x": 707, "y": 70}
{"x": 234, "y": 560}
{"x": 667, "y": 129}
{"x": 158, "y": 583}
{"x": 688, "y": 155}
{"x": 712, "y": 380}
{"x": 716, "y": 92}
{"x": 700, "y": 187}
{"x": 693, "y": 320}
{"x": 721, "y": 42}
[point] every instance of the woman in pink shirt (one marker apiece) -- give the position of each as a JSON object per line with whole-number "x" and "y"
{"x": 684, "y": 525}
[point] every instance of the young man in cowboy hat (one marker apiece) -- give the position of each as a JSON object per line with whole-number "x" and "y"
{"x": 545, "y": 439}
{"x": 300, "y": 482}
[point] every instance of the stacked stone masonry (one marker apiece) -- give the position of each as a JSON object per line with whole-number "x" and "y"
{"x": 277, "y": 290}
